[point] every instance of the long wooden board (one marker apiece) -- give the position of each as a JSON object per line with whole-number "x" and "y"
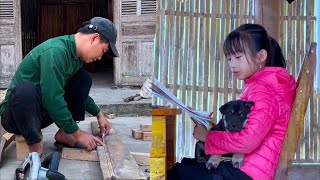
{"x": 124, "y": 166}
{"x": 79, "y": 154}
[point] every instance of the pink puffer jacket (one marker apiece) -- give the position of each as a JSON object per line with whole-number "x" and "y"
{"x": 272, "y": 90}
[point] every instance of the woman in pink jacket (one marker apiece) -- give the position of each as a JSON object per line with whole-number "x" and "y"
{"x": 257, "y": 59}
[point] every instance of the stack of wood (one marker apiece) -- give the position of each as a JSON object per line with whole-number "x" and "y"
{"x": 144, "y": 133}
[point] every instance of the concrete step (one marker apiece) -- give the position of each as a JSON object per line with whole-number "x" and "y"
{"x": 127, "y": 109}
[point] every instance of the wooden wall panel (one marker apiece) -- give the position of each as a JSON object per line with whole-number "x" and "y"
{"x": 10, "y": 40}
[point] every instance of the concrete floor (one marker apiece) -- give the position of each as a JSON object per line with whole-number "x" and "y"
{"x": 73, "y": 169}
{"x": 103, "y": 90}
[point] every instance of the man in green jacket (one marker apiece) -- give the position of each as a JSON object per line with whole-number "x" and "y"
{"x": 50, "y": 86}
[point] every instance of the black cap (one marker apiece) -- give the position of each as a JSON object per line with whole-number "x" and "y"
{"x": 107, "y": 29}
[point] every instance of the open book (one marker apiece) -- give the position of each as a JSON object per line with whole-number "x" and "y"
{"x": 162, "y": 92}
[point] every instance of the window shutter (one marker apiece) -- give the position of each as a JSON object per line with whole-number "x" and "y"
{"x": 148, "y": 7}
{"x": 138, "y": 7}
{"x": 6, "y": 9}
{"x": 129, "y": 8}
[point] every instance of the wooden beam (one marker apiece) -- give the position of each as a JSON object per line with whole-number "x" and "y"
{"x": 142, "y": 159}
{"x": 166, "y": 112}
{"x": 123, "y": 164}
{"x": 136, "y": 133}
{"x": 105, "y": 163}
{"x": 147, "y": 136}
{"x": 267, "y": 14}
{"x": 79, "y": 154}
{"x": 5, "y": 140}
{"x": 22, "y": 147}
{"x": 146, "y": 127}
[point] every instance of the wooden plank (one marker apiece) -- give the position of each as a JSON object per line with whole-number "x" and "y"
{"x": 79, "y": 154}
{"x": 5, "y": 140}
{"x": 123, "y": 164}
{"x": 147, "y": 136}
{"x": 295, "y": 127}
{"x": 22, "y": 148}
{"x": 161, "y": 112}
{"x": 2, "y": 95}
{"x": 142, "y": 159}
{"x": 136, "y": 133}
{"x": 105, "y": 163}
{"x": 146, "y": 127}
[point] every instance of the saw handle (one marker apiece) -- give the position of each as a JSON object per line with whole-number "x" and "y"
{"x": 52, "y": 161}
{"x": 52, "y": 164}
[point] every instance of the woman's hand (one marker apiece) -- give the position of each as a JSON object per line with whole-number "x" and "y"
{"x": 200, "y": 132}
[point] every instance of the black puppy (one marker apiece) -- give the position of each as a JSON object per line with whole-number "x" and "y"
{"x": 234, "y": 117}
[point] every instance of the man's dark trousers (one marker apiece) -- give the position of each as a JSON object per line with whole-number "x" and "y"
{"x": 25, "y": 115}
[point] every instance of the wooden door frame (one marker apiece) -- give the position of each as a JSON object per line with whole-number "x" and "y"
{"x": 17, "y": 19}
{"x": 117, "y": 22}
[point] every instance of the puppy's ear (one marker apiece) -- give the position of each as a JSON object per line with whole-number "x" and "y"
{"x": 224, "y": 107}
{"x": 249, "y": 104}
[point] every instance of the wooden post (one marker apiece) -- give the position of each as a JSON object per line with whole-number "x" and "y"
{"x": 267, "y": 14}
{"x": 162, "y": 153}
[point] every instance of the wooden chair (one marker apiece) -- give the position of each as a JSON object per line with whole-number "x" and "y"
{"x": 295, "y": 127}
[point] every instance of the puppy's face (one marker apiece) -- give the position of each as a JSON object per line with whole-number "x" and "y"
{"x": 235, "y": 114}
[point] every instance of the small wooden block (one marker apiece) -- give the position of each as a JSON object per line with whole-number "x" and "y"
{"x": 147, "y": 136}
{"x": 19, "y": 138}
{"x": 143, "y": 159}
{"x": 146, "y": 127}
{"x": 95, "y": 129}
{"x": 22, "y": 147}
{"x": 5, "y": 140}
{"x": 79, "y": 154}
{"x": 110, "y": 116}
{"x": 136, "y": 133}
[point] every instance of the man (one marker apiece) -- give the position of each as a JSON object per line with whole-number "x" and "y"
{"x": 50, "y": 85}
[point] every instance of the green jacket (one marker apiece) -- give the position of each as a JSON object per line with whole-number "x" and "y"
{"x": 50, "y": 65}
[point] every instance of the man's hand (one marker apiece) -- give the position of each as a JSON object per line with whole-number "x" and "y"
{"x": 103, "y": 124}
{"x": 88, "y": 140}
{"x": 200, "y": 132}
